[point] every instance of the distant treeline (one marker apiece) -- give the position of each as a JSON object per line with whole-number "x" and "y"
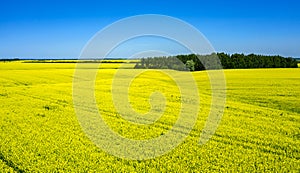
{"x": 194, "y": 62}
{"x": 9, "y": 60}
{"x": 80, "y": 61}
{"x": 117, "y": 61}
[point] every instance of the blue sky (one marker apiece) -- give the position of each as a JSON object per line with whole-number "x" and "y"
{"x": 49, "y": 29}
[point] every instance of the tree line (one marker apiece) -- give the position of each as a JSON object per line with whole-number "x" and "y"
{"x": 9, "y": 60}
{"x": 193, "y": 62}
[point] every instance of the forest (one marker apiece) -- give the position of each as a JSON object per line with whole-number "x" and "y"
{"x": 193, "y": 62}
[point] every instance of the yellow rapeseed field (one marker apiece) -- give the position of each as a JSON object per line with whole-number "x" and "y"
{"x": 40, "y": 132}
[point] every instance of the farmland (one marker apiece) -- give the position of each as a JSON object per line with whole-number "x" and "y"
{"x": 259, "y": 131}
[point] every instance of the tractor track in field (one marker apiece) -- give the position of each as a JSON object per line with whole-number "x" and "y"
{"x": 11, "y": 164}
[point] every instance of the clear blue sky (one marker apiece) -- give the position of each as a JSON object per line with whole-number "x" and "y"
{"x": 43, "y": 29}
